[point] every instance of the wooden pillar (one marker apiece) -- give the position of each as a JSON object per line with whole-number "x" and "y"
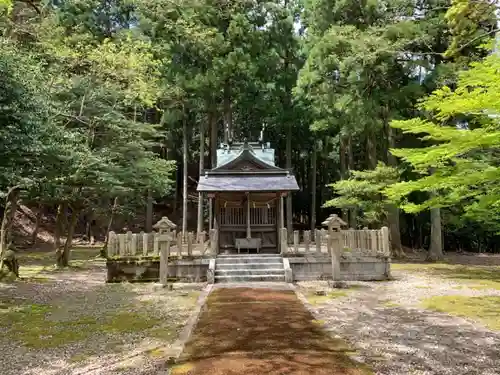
{"x": 282, "y": 212}
{"x": 281, "y": 220}
{"x": 216, "y": 222}
{"x": 216, "y": 214}
{"x": 210, "y": 213}
{"x": 249, "y": 231}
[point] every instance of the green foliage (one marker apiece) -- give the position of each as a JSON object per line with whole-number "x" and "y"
{"x": 364, "y": 190}
{"x": 74, "y": 107}
{"x": 28, "y": 138}
{"x": 471, "y": 23}
{"x": 6, "y": 5}
{"x": 463, "y": 162}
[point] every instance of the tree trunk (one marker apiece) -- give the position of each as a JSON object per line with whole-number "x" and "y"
{"x": 228, "y": 117}
{"x": 289, "y": 214}
{"x": 149, "y": 212}
{"x": 89, "y": 227}
{"x": 114, "y": 208}
{"x": 7, "y": 221}
{"x": 63, "y": 256}
{"x": 371, "y": 149}
{"x": 393, "y": 211}
{"x": 61, "y": 211}
{"x": 343, "y": 171}
{"x": 13, "y": 201}
{"x": 202, "y": 160}
{"x": 436, "y": 247}
{"x": 350, "y": 166}
{"x": 185, "y": 175}
{"x": 38, "y": 222}
{"x": 213, "y": 139}
{"x": 176, "y": 191}
{"x": 314, "y": 163}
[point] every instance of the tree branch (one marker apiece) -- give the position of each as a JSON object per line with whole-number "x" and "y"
{"x": 32, "y": 5}
{"x": 477, "y": 38}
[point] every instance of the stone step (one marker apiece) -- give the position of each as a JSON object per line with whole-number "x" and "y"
{"x": 250, "y": 272}
{"x": 249, "y": 278}
{"x": 253, "y": 265}
{"x": 253, "y": 255}
{"x": 246, "y": 259}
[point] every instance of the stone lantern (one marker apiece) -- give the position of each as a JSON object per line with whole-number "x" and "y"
{"x": 162, "y": 241}
{"x": 164, "y": 225}
{"x": 334, "y": 224}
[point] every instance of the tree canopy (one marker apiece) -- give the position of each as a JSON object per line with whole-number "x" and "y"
{"x": 377, "y": 106}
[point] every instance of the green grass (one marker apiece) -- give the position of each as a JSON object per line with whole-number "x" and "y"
{"x": 484, "y": 309}
{"x": 477, "y": 277}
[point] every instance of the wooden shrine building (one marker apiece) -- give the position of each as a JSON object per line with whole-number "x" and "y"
{"x": 245, "y": 192}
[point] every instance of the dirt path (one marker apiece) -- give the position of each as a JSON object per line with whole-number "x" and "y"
{"x": 249, "y": 331}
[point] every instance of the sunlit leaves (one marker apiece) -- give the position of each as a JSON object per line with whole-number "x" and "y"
{"x": 364, "y": 191}
{"x": 461, "y": 166}
{"x": 469, "y": 22}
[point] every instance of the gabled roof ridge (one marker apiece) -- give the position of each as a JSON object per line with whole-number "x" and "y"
{"x": 253, "y": 157}
{"x": 267, "y": 172}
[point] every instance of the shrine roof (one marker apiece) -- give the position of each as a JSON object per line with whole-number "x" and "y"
{"x": 246, "y": 167}
{"x": 244, "y": 182}
{"x": 227, "y": 156}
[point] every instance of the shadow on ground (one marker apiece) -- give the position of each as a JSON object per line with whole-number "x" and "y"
{"x": 262, "y": 331}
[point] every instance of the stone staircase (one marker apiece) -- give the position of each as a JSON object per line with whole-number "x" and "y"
{"x": 249, "y": 267}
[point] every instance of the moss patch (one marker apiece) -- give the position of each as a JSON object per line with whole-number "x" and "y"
{"x": 164, "y": 333}
{"x": 390, "y": 304}
{"x": 488, "y": 276}
{"x": 38, "y": 326}
{"x": 318, "y": 322}
{"x": 273, "y": 333}
{"x": 313, "y": 299}
{"x": 157, "y": 353}
{"x": 32, "y": 326}
{"x": 78, "y": 358}
{"x": 129, "y": 322}
{"x": 182, "y": 369}
{"x": 34, "y": 263}
{"x": 485, "y": 309}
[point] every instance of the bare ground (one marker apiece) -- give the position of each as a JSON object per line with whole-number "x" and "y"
{"x": 395, "y": 333}
{"x": 70, "y": 322}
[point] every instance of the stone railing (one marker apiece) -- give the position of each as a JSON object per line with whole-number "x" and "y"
{"x": 142, "y": 244}
{"x": 364, "y": 241}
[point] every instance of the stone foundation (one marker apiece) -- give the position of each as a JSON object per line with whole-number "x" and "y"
{"x": 148, "y": 270}
{"x": 298, "y": 268}
{"x": 319, "y": 267}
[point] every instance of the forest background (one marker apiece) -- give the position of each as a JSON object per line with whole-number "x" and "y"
{"x": 386, "y": 111}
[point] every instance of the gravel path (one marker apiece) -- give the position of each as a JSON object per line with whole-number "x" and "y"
{"x": 82, "y": 294}
{"x": 384, "y": 323}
